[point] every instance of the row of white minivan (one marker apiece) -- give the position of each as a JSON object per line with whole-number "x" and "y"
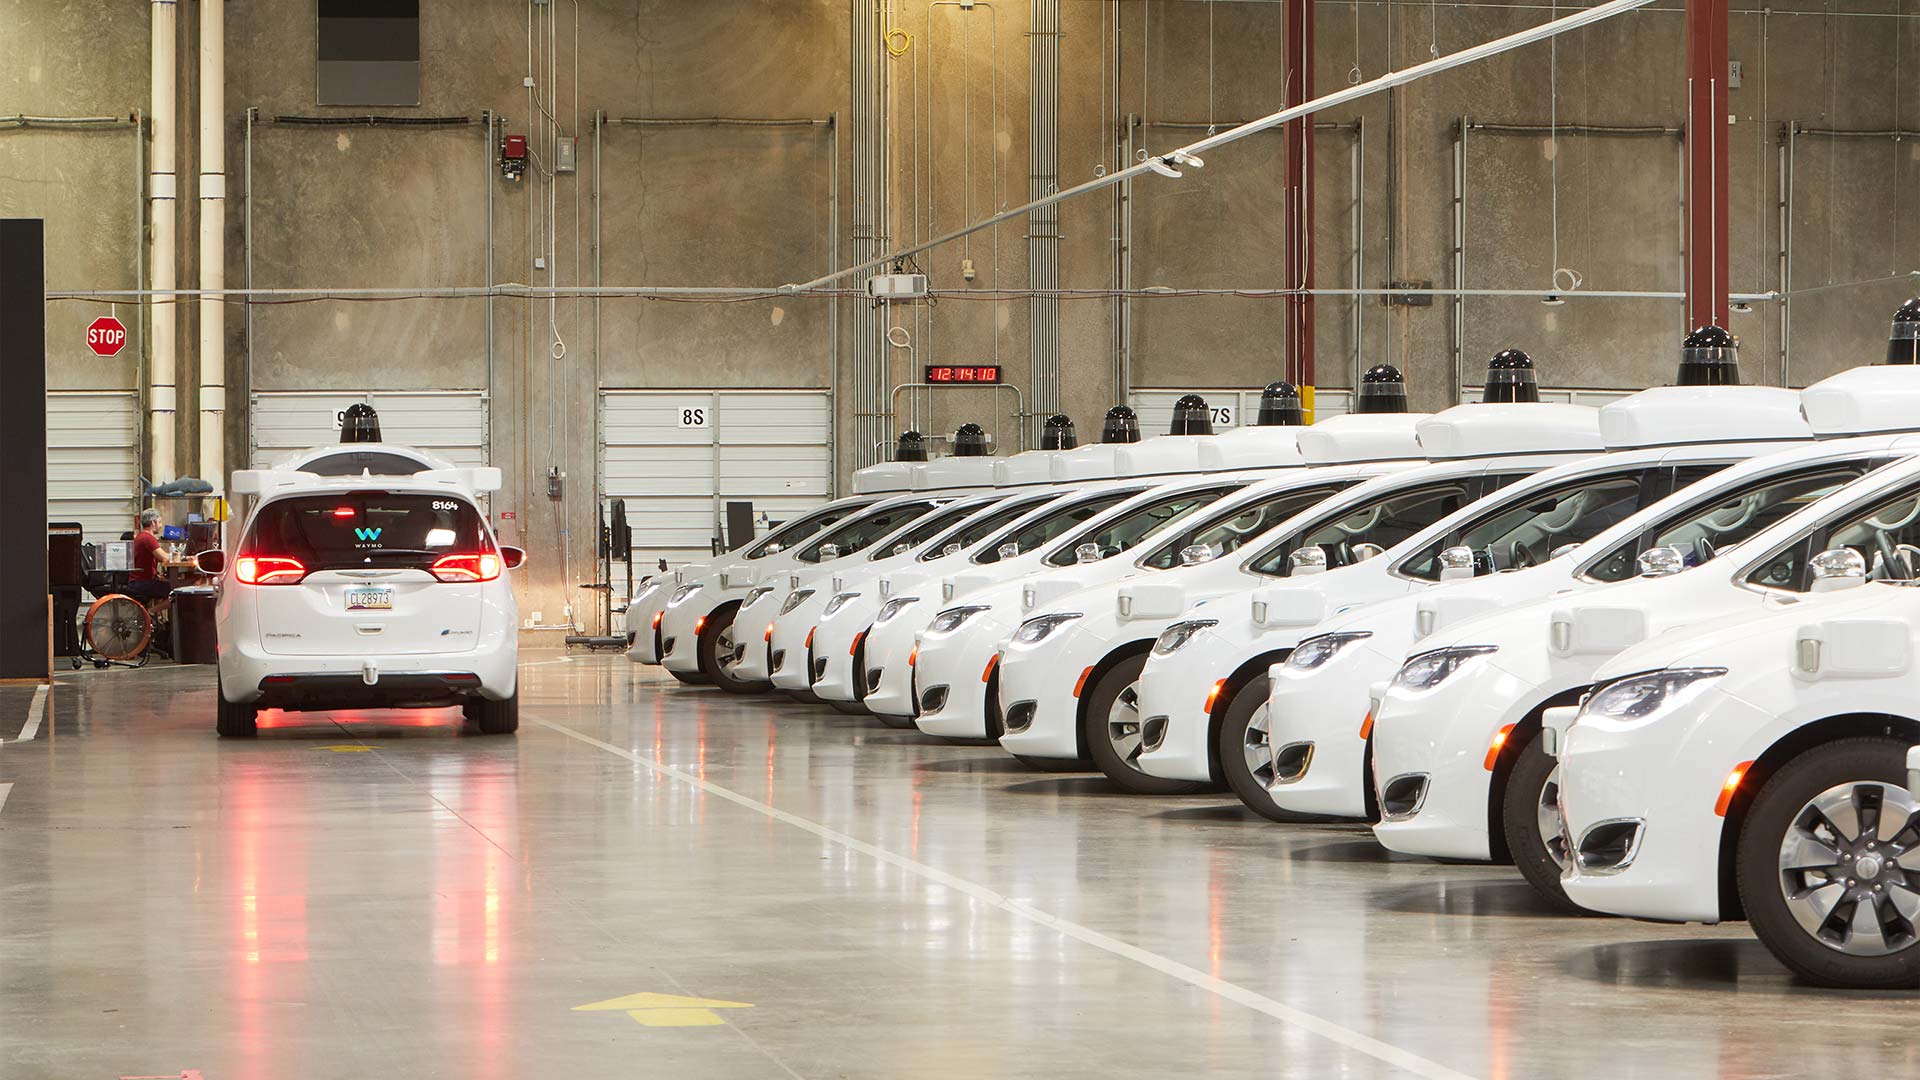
{"x": 1657, "y": 654}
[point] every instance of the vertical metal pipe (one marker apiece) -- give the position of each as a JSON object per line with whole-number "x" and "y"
{"x": 599, "y": 377}
{"x": 1706, "y": 176}
{"x": 1299, "y": 139}
{"x": 1459, "y": 256}
{"x": 1786, "y": 283}
{"x": 246, "y": 267}
{"x": 1357, "y": 233}
{"x": 213, "y": 246}
{"x": 162, "y": 211}
{"x": 486, "y": 177}
{"x": 139, "y": 327}
{"x": 833, "y": 303}
{"x": 1043, "y": 237}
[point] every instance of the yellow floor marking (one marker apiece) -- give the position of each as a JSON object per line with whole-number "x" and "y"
{"x": 666, "y": 1010}
{"x": 353, "y": 748}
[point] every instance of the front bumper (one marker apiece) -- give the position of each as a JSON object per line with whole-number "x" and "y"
{"x": 958, "y": 662}
{"x": 1173, "y": 695}
{"x": 1040, "y": 687}
{"x": 1668, "y": 784}
{"x": 1315, "y": 719}
{"x": 793, "y": 635}
{"x": 888, "y": 651}
{"x": 679, "y": 641}
{"x": 1444, "y": 735}
{"x": 645, "y": 647}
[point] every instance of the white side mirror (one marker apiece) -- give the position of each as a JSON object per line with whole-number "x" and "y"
{"x": 1660, "y": 562}
{"x": 1306, "y": 560}
{"x": 1195, "y": 554}
{"x": 1836, "y": 569}
{"x": 1456, "y": 563}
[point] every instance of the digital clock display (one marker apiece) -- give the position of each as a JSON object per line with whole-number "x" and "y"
{"x": 963, "y": 373}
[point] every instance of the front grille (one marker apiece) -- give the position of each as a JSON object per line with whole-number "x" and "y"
{"x": 1291, "y": 761}
{"x": 1401, "y": 797}
{"x": 1020, "y": 716}
{"x": 933, "y": 700}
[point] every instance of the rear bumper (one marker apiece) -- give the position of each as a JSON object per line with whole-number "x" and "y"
{"x": 326, "y": 690}
{"x": 399, "y": 681}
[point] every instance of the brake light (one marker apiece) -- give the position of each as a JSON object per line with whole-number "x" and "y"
{"x": 268, "y": 570}
{"x": 1728, "y": 789}
{"x": 1494, "y": 747}
{"x": 480, "y": 566}
{"x": 343, "y": 511}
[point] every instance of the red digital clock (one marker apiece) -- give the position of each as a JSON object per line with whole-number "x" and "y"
{"x": 963, "y": 373}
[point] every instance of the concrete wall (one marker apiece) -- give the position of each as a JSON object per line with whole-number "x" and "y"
{"x": 753, "y": 206}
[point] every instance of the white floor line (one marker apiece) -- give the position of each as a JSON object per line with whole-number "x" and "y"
{"x": 1326, "y": 1029}
{"x": 5, "y": 790}
{"x": 544, "y": 663}
{"x": 34, "y": 712}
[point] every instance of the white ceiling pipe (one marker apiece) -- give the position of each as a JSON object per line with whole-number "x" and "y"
{"x": 213, "y": 227}
{"x": 161, "y": 214}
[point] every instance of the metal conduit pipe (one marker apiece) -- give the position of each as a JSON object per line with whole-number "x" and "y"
{"x": 18, "y": 121}
{"x": 723, "y": 121}
{"x": 162, "y": 222}
{"x": 213, "y": 229}
{"x": 1043, "y": 229}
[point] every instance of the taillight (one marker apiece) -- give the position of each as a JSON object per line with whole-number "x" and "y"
{"x": 268, "y": 570}
{"x": 482, "y": 566}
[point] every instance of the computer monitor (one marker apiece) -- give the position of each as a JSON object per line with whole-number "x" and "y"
{"x": 202, "y": 536}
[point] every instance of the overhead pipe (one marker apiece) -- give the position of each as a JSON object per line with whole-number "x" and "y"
{"x": 1043, "y": 230}
{"x": 161, "y": 219}
{"x": 213, "y": 228}
{"x": 1184, "y": 155}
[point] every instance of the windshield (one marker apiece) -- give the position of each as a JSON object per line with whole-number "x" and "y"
{"x": 857, "y": 534}
{"x": 1524, "y": 531}
{"x": 924, "y": 530}
{"x": 1130, "y": 528}
{"x": 978, "y": 528}
{"x": 1223, "y": 533}
{"x": 1704, "y": 529}
{"x": 356, "y": 529}
{"x": 1384, "y": 520}
{"x": 799, "y": 529}
{"x": 1035, "y": 533}
{"x": 1885, "y": 533}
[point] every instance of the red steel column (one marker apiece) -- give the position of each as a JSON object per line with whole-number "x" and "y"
{"x": 1706, "y": 162}
{"x": 1299, "y": 193}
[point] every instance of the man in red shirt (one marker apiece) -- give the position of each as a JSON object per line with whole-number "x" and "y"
{"x": 145, "y": 582}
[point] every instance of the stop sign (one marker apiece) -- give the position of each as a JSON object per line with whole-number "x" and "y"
{"x": 106, "y": 337}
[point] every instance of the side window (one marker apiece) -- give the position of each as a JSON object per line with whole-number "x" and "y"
{"x": 1036, "y": 533}
{"x": 1703, "y": 531}
{"x": 856, "y": 535}
{"x": 922, "y": 531}
{"x": 975, "y": 530}
{"x": 1524, "y": 532}
{"x": 794, "y": 532}
{"x": 1887, "y": 536}
{"x": 1129, "y": 529}
{"x": 1225, "y": 535}
{"x": 1385, "y": 521}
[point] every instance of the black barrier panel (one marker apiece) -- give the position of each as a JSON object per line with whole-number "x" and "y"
{"x": 24, "y": 622}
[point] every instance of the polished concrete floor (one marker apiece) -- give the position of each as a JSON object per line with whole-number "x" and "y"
{"x": 390, "y": 897}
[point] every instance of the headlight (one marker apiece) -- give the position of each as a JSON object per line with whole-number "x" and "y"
{"x": 1316, "y": 651}
{"x": 953, "y": 619}
{"x": 795, "y": 599}
{"x": 1427, "y": 670}
{"x": 1642, "y": 699}
{"x": 839, "y": 601}
{"x": 1036, "y": 630}
{"x": 1175, "y": 637}
{"x": 754, "y": 594}
{"x": 683, "y": 592}
{"x": 893, "y": 607}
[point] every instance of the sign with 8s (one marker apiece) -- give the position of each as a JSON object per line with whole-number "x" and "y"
{"x": 695, "y": 416}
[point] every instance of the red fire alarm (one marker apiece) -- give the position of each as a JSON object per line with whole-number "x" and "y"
{"x": 513, "y": 156}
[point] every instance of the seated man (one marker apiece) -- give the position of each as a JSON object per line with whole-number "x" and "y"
{"x": 144, "y": 582}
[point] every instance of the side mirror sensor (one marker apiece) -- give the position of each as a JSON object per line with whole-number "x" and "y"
{"x": 1088, "y": 552}
{"x": 1009, "y": 549}
{"x": 1306, "y": 560}
{"x": 512, "y": 557}
{"x": 1364, "y": 551}
{"x": 1456, "y": 563}
{"x": 1836, "y": 569}
{"x": 902, "y": 548}
{"x": 1660, "y": 562}
{"x": 772, "y": 549}
{"x": 211, "y": 562}
{"x": 950, "y": 549}
{"x": 1195, "y": 554}
{"x": 829, "y": 551}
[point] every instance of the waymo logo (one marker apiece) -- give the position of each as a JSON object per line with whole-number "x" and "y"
{"x": 366, "y": 534}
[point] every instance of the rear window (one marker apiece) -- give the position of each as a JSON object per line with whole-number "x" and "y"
{"x": 356, "y": 462}
{"x": 356, "y": 529}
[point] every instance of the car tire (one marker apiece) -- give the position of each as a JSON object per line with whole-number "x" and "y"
{"x": 234, "y": 721}
{"x": 1233, "y": 746}
{"x": 848, "y": 708}
{"x": 803, "y": 697}
{"x": 1873, "y": 766}
{"x": 1530, "y": 817}
{"x": 1113, "y": 748}
{"x": 901, "y": 722}
{"x": 1055, "y": 764}
{"x": 711, "y": 662}
{"x": 695, "y": 679}
{"x": 494, "y": 717}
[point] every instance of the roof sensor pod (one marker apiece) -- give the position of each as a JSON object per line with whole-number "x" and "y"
{"x": 1057, "y": 433}
{"x": 1121, "y": 426}
{"x": 1709, "y": 357}
{"x": 970, "y": 440}
{"x": 359, "y": 424}
{"x": 1510, "y": 378}
{"x": 1903, "y": 343}
{"x": 1191, "y": 416}
{"x": 912, "y": 446}
{"x": 1280, "y": 406}
{"x": 1382, "y": 390}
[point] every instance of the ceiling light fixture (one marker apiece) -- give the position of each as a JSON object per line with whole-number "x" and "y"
{"x": 1160, "y": 166}
{"x": 1181, "y": 157}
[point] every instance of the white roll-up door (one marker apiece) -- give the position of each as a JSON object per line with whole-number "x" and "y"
{"x": 93, "y": 460}
{"x": 678, "y": 456}
{"x": 1231, "y": 407}
{"x": 450, "y": 423}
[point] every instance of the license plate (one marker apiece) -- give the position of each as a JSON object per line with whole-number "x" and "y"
{"x": 370, "y": 598}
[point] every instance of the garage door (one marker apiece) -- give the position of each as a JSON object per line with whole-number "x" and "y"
{"x": 93, "y": 460}
{"x": 450, "y": 423}
{"x": 678, "y": 456}
{"x": 1231, "y": 408}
